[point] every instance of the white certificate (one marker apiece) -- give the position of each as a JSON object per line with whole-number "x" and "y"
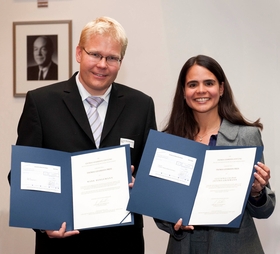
{"x": 173, "y": 166}
{"x": 223, "y": 186}
{"x": 100, "y": 188}
{"x": 40, "y": 177}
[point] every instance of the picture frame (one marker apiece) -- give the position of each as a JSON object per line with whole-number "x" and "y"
{"x": 41, "y": 49}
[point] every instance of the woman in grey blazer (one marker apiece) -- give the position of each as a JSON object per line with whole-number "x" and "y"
{"x": 204, "y": 110}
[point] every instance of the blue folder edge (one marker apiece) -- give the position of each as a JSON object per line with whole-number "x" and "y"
{"x": 46, "y": 210}
{"x": 167, "y": 200}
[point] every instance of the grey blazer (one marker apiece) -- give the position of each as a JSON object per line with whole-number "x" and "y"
{"x": 215, "y": 240}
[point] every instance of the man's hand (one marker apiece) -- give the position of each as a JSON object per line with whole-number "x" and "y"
{"x": 179, "y": 225}
{"x": 61, "y": 233}
{"x": 133, "y": 179}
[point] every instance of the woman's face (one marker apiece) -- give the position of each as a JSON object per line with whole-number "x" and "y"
{"x": 202, "y": 90}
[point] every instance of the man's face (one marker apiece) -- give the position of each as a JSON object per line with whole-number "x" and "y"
{"x": 42, "y": 52}
{"x": 97, "y": 76}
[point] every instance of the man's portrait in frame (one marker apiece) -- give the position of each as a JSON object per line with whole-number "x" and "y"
{"x": 42, "y": 57}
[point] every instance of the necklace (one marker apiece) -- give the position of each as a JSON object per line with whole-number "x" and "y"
{"x": 200, "y": 138}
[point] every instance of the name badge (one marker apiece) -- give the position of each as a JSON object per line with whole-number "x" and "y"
{"x": 126, "y": 141}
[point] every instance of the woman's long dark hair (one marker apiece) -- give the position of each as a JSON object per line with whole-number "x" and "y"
{"x": 182, "y": 122}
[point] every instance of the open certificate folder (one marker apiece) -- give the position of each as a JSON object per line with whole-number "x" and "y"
{"x": 203, "y": 185}
{"x": 86, "y": 189}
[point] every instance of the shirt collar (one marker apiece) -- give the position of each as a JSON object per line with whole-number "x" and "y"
{"x": 84, "y": 93}
{"x": 44, "y": 69}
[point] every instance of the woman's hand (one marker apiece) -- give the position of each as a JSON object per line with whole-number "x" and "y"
{"x": 61, "y": 233}
{"x": 179, "y": 225}
{"x": 262, "y": 176}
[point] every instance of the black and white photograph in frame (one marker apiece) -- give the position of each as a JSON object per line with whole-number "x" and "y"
{"x": 42, "y": 54}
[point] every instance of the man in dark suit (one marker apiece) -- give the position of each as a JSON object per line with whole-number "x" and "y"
{"x": 45, "y": 69}
{"x": 55, "y": 117}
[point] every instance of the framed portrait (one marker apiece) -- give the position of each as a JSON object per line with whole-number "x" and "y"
{"x": 41, "y": 54}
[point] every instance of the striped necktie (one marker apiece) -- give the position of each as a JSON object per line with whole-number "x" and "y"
{"x": 94, "y": 118}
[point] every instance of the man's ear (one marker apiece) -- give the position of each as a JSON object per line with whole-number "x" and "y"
{"x": 78, "y": 54}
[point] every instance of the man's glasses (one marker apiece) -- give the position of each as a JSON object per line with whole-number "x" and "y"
{"x": 110, "y": 60}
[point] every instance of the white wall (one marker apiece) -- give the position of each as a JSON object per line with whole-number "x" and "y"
{"x": 243, "y": 36}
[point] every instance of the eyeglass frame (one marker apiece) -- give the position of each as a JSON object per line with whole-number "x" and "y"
{"x": 100, "y": 57}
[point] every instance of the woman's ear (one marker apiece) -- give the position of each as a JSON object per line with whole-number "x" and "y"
{"x": 221, "y": 89}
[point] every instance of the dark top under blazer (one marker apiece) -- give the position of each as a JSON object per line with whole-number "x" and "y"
{"x": 52, "y": 74}
{"x": 54, "y": 117}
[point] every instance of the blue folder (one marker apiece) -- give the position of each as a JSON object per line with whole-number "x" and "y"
{"x": 47, "y": 210}
{"x": 168, "y": 200}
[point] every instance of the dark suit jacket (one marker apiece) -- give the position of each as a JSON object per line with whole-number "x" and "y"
{"x": 33, "y": 72}
{"x": 54, "y": 117}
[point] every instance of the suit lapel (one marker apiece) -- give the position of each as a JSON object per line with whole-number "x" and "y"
{"x": 228, "y": 133}
{"x": 52, "y": 73}
{"x": 73, "y": 102}
{"x": 115, "y": 107}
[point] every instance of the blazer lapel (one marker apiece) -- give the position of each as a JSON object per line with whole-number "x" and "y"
{"x": 73, "y": 102}
{"x": 115, "y": 107}
{"x": 227, "y": 134}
